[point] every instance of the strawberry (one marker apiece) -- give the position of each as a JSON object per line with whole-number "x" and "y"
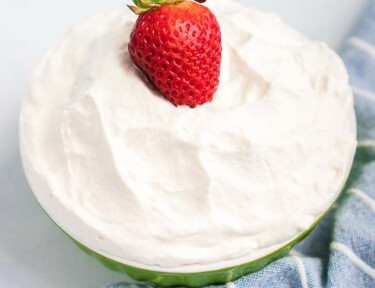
{"x": 177, "y": 45}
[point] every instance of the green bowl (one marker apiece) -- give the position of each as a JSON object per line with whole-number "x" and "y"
{"x": 200, "y": 278}
{"x": 203, "y": 278}
{"x": 193, "y": 277}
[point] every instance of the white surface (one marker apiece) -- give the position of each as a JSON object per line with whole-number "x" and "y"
{"x": 33, "y": 252}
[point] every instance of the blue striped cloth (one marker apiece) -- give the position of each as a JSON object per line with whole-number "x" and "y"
{"x": 340, "y": 252}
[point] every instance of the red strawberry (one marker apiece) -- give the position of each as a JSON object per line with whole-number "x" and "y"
{"x": 177, "y": 45}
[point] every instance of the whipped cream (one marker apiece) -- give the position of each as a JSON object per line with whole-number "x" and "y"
{"x": 139, "y": 180}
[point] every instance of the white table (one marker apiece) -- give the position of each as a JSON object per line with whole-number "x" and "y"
{"x": 33, "y": 251}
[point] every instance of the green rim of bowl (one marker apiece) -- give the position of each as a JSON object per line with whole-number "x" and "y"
{"x": 199, "y": 279}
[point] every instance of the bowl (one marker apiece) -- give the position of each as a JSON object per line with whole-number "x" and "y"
{"x": 200, "y": 276}
{"x": 190, "y": 275}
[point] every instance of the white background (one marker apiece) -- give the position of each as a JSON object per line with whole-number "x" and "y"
{"x": 33, "y": 252}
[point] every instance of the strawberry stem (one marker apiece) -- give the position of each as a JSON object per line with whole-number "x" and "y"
{"x": 142, "y": 6}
